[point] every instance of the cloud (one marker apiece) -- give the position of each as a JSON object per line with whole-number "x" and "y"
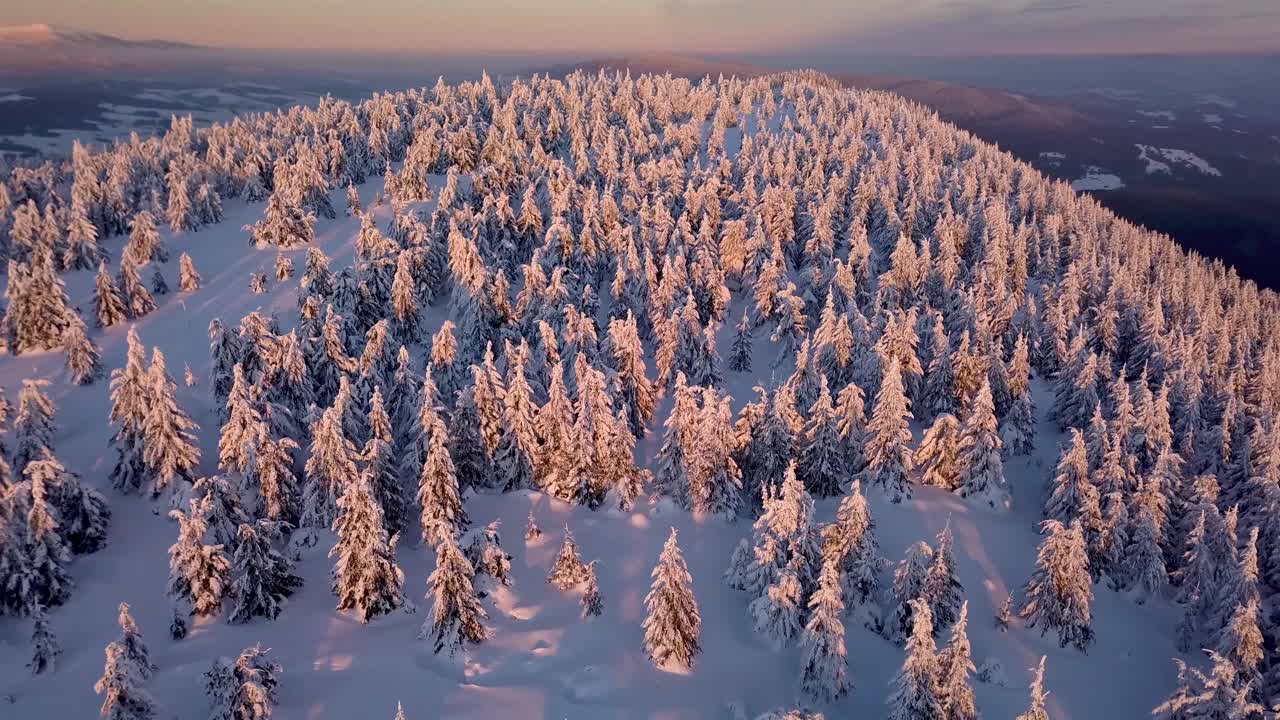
{"x": 1052, "y": 6}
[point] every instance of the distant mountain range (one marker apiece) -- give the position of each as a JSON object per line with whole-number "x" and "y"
{"x": 30, "y": 50}
{"x": 50, "y": 36}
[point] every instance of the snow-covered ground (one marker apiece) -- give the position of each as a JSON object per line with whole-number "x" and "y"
{"x": 1212, "y": 118}
{"x": 13, "y": 98}
{"x": 1053, "y": 159}
{"x": 541, "y": 660}
{"x": 1159, "y": 114}
{"x": 1097, "y": 178}
{"x": 1160, "y": 160}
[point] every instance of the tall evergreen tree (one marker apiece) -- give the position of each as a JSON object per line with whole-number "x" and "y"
{"x": 981, "y": 471}
{"x": 672, "y": 622}
{"x": 955, "y": 667}
{"x": 366, "y": 578}
{"x": 198, "y": 573}
{"x": 456, "y": 615}
{"x": 169, "y": 445}
{"x": 825, "y": 675}
{"x": 915, "y": 694}
{"x": 1058, "y": 595}
{"x": 1037, "y": 710}
{"x": 889, "y": 458}
{"x": 261, "y": 578}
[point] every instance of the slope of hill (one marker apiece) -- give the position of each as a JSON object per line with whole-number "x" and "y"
{"x": 866, "y": 242}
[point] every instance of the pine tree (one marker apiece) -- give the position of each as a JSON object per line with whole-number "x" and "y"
{"x": 82, "y": 512}
{"x": 567, "y": 570}
{"x": 1241, "y": 640}
{"x": 672, "y": 623}
{"x": 121, "y": 688}
{"x": 169, "y": 445}
{"x": 941, "y": 588}
{"x": 1219, "y": 695}
{"x": 84, "y": 361}
{"x": 740, "y": 355}
{"x": 820, "y": 462}
{"x": 261, "y": 578}
{"x": 366, "y": 577}
{"x": 33, "y": 426}
{"x": 592, "y": 601}
{"x": 981, "y": 471}
{"x": 909, "y": 585}
{"x": 939, "y": 454}
{"x": 456, "y": 614}
{"x": 158, "y": 284}
{"x": 915, "y": 694}
{"x": 851, "y": 541}
{"x": 1144, "y": 560}
{"x": 138, "y": 301}
{"x": 1004, "y": 614}
{"x": 45, "y": 648}
{"x": 531, "y": 530}
{"x": 330, "y": 467}
{"x": 245, "y": 689}
{"x": 889, "y": 459}
{"x": 1074, "y": 494}
{"x": 188, "y": 278}
{"x": 1037, "y": 710}
{"x": 438, "y": 494}
{"x": 824, "y": 677}
{"x": 1058, "y": 595}
{"x": 955, "y": 667}
{"x": 109, "y": 307}
{"x": 134, "y": 648}
{"x": 378, "y": 455}
{"x": 777, "y": 614}
{"x": 198, "y": 573}
{"x": 47, "y": 581}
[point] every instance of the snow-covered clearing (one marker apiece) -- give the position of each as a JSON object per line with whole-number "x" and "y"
{"x": 1159, "y": 114}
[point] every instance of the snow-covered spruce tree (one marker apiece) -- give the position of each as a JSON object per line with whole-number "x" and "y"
{"x": 366, "y": 578}
{"x": 851, "y": 541}
{"x": 1241, "y": 639}
{"x": 456, "y": 615}
{"x": 109, "y": 307}
{"x": 45, "y": 648}
{"x": 47, "y": 580}
{"x": 939, "y": 454}
{"x": 121, "y": 688}
{"x": 888, "y": 454}
{"x": 198, "y": 573}
{"x": 908, "y": 585}
{"x": 330, "y": 467}
{"x": 38, "y": 307}
{"x": 284, "y": 224}
{"x": 981, "y": 471}
{"x": 942, "y": 590}
{"x": 1220, "y": 694}
{"x": 1005, "y": 614}
{"x": 82, "y": 251}
{"x": 482, "y": 547}
{"x": 592, "y": 601}
{"x": 1058, "y": 595}
{"x": 821, "y": 462}
{"x": 567, "y": 570}
{"x": 531, "y": 530}
{"x": 672, "y": 623}
{"x": 159, "y": 285}
{"x": 283, "y": 267}
{"x": 954, "y": 669}
{"x": 188, "y": 278}
{"x": 438, "y": 494}
{"x": 378, "y": 456}
{"x": 1074, "y": 495}
{"x": 1144, "y": 559}
{"x": 244, "y": 689}
{"x": 825, "y": 674}
{"x": 269, "y": 471}
{"x": 916, "y": 691}
{"x": 778, "y": 613}
{"x": 224, "y": 352}
{"x": 33, "y": 426}
{"x": 135, "y": 650}
{"x": 137, "y": 299}
{"x": 84, "y": 361}
{"x": 169, "y": 444}
{"x": 82, "y": 512}
{"x": 261, "y": 578}
{"x": 1036, "y": 710}
{"x": 740, "y": 355}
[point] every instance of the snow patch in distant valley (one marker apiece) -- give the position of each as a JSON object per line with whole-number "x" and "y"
{"x": 1097, "y": 179}
{"x": 1159, "y": 160}
{"x": 1163, "y": 114}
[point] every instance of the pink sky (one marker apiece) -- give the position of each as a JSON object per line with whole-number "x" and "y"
{"x": 879, "y": 26}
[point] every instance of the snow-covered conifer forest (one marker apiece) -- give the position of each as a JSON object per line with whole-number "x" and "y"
{"x": 622, "y": 397}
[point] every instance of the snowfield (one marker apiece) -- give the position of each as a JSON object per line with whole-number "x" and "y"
{"x": 1097, "y": 178}
{"x": 1159, "y": 159}
{"x": 540, "y": 658}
